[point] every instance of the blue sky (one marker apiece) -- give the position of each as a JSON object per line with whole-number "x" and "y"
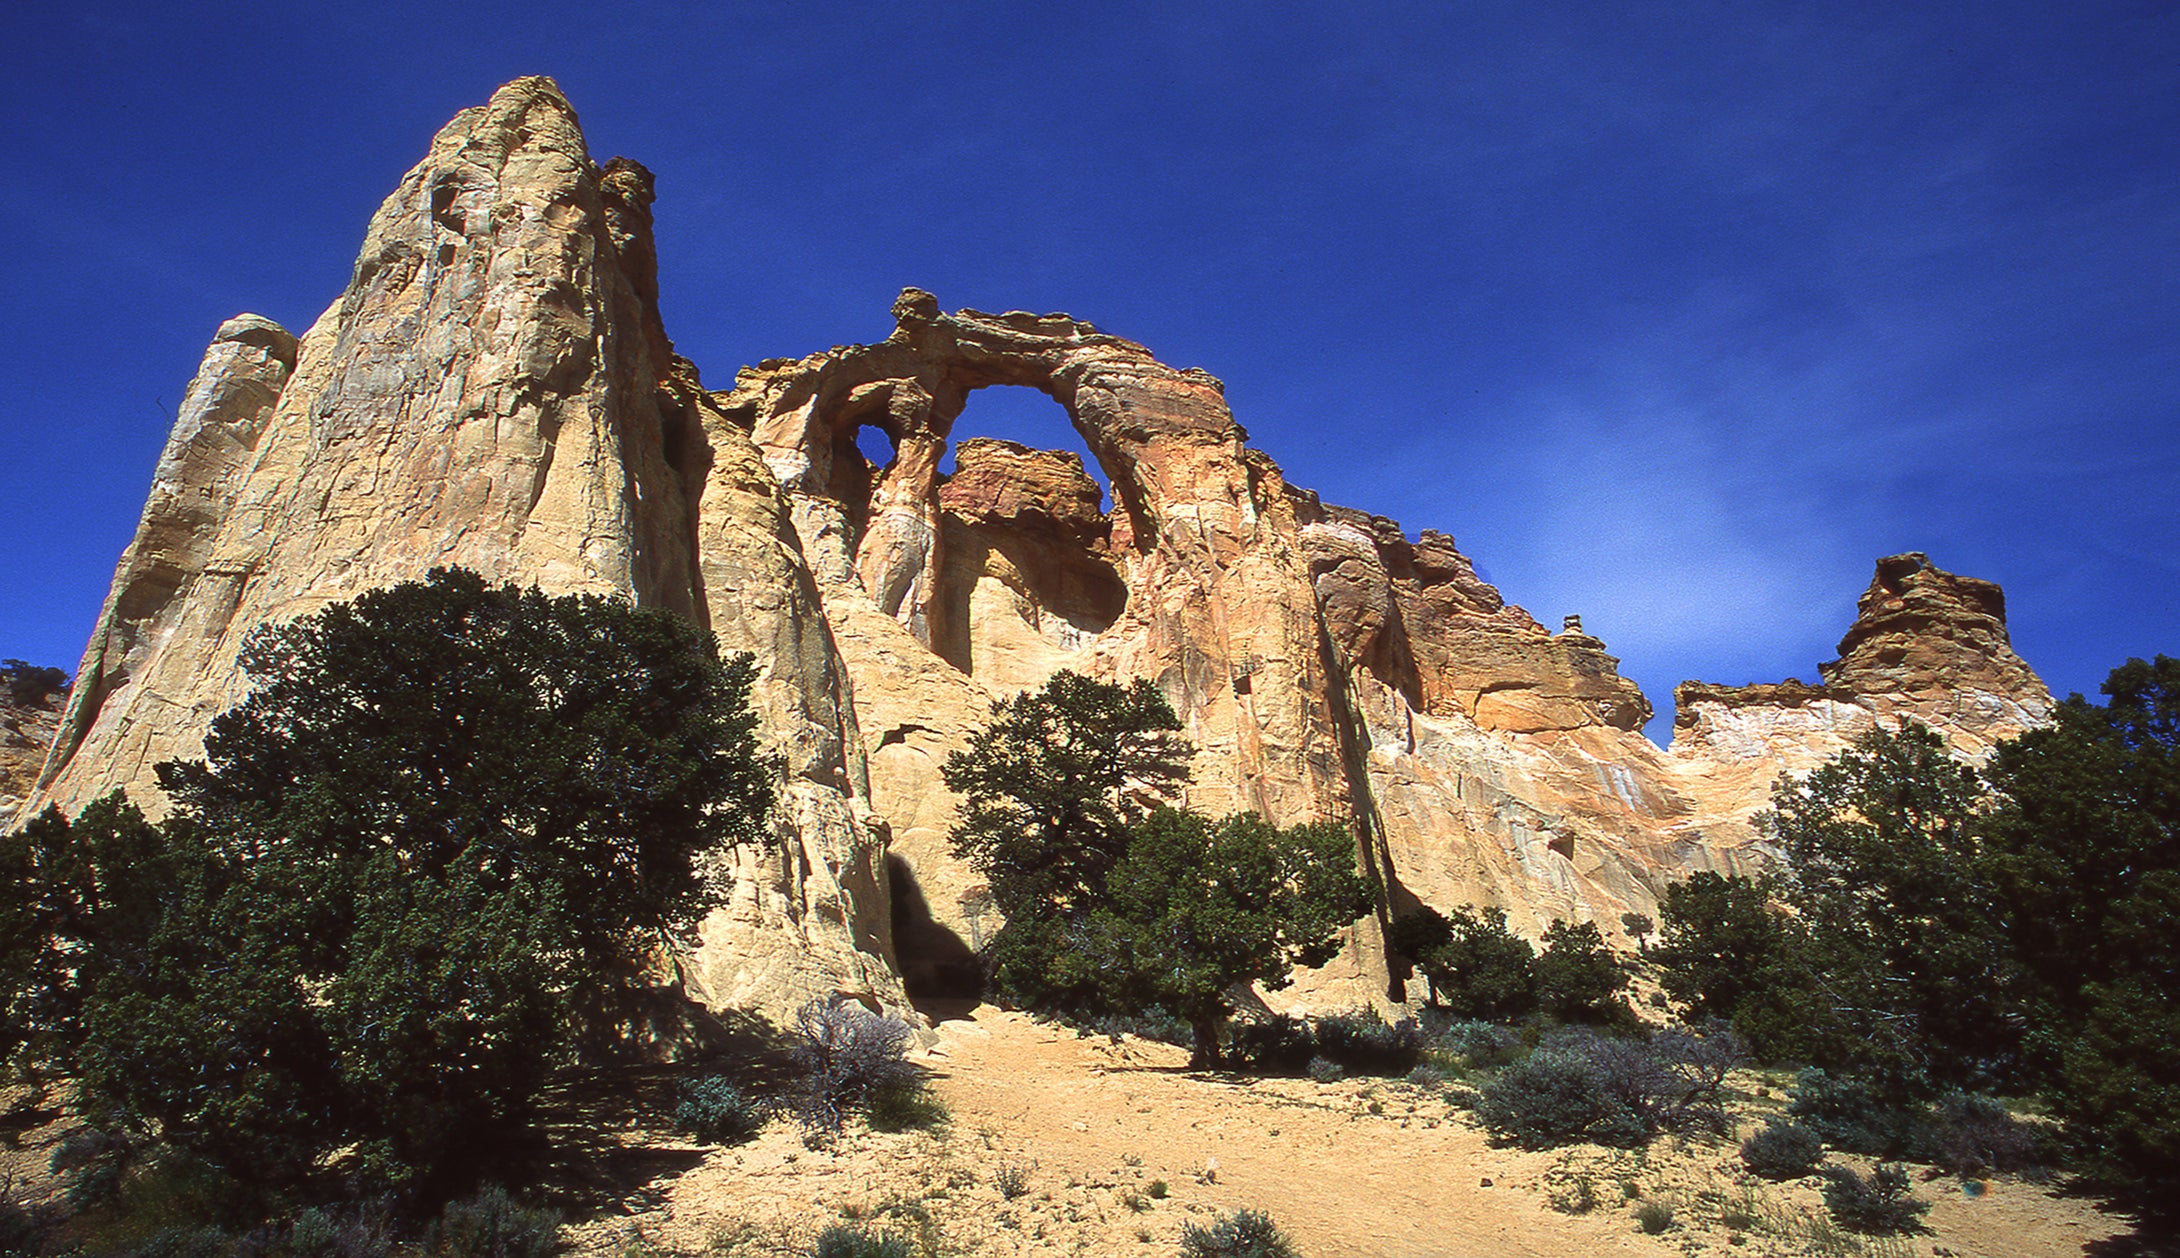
{"x": 1676, "y": 322}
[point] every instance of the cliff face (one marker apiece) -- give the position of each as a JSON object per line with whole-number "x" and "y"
{"x": 496, "y": 390}
{"x": 26, "y": 735}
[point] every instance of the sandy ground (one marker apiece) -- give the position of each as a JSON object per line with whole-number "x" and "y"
{"x": 1071, "y": 1145}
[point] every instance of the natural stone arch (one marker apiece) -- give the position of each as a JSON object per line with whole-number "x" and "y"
{"x": 884, "y": 532}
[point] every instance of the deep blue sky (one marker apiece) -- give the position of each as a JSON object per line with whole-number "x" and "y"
{"x": 1675, "y": 316}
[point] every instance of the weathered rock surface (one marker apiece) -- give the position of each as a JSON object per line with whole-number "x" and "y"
{"x": 26, "y": 735}
{"x": 496, "y": 390}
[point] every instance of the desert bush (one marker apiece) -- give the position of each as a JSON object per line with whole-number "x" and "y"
{"x": 1476, "y": 1044}
{"x": 1278, "y": 1045}
{"x": 492, "y": 1224}
{"x": 1364, "y": 1044}
{"x": 1787, "y": 1150}
{"x": 1582, "y": 1086}
{"x": 1877, "y": 1204}
{"x": 715, "y": 1111}
{"x": 1577, "y": 1196}
{"x": 843, "y": 1241}
{"x": 1852, "y": 1119}
{"x": 1687, "y": 1091}
{"x": 1012, "y": 1179}
{"x": 1426, "y": 1076}
{"x": 1976, "y": 1134}
{"x": 1242, "y": 1234}
{"x": 848, "y": 1055}
{"x": 1324, "y": 1070}
{"x": 1653, "y": 1217}
{"x": 1556, "y": 1097}
{"x": 911, "y": 1107}
{"x": 363, "y": 1230}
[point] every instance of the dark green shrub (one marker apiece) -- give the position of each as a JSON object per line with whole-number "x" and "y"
{"x": 1278, "y": 1045}
{"x": 1725, "y": 951}
{"x": 1483, "y": 969}
{"x": 492, "y": 1224}
{"x": 1153, "y": 1024}
{"x": 1787, "y": 1150}
{"x": 1877, "y": 1204}
{"x": 1324, "y": 1070}
{"x": 1577, "y": 977}
{"x": 715, "y": 1111}
{"x": 19, "y": 1231}
{"x": 843, "y": 1241}
{"x": 1354, "y": 1043}
{"x": 186, "y": 1242}
{"x": 1653, "y": 1217}
{"x": 1242, "y": 1234}
{"x": 1363, "y": 1044}
{"x": 29, "y": 684}
{"x": 423, "y": 865}
{"x": 1851, "y": 1118}
{"x": 1976, "y": 1134}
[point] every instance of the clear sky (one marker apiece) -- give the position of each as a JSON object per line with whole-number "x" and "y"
{"x": 1675, "y": 316}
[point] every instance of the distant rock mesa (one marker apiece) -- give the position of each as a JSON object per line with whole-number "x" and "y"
{"x": 496, "y": 390}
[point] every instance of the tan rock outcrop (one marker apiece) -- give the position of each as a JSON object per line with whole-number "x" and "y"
{"x": 1926, "y": 646}
{"x": 26, "y": 736}
{"x": 496, "y": 390}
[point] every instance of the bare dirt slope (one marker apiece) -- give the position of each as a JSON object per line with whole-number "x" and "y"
{"x": 1059, "y": 1144}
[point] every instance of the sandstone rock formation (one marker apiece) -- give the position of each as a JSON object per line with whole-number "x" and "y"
{"x": 496, "y": 390}
{"x": 26, "y": 735}
{"x": 1926, "y": 646}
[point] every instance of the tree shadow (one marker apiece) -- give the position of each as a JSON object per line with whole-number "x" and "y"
{"x": 604, "y": 1144}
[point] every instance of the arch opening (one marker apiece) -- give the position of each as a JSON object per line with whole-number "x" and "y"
{"x": 1028, "y": 573}
{"x": 876, "y": 445}
{"x": 1024, "y": 415}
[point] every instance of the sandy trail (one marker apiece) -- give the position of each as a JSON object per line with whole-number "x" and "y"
{"x": 1356, "y": 1168}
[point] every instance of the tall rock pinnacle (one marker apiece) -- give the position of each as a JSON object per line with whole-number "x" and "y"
{"x": 494, "y": 391}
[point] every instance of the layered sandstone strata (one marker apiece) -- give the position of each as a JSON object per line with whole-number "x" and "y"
{"x": 496, "y": 390}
